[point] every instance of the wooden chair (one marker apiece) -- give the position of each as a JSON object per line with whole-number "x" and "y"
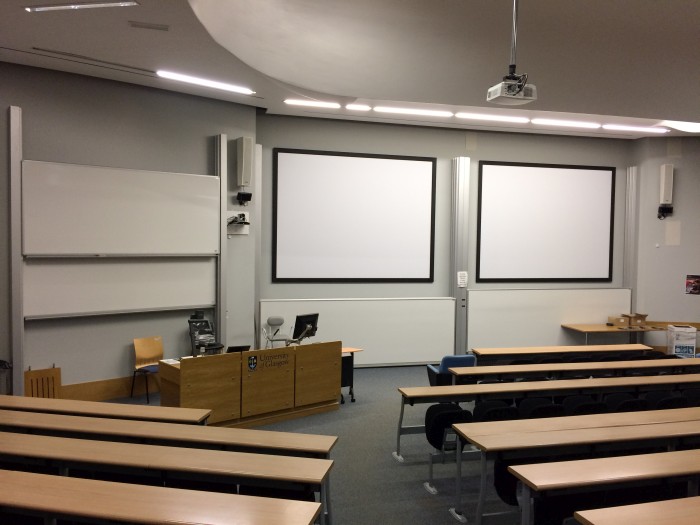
{"x": 43, "y": 383}
{"x": 148, "y": 351}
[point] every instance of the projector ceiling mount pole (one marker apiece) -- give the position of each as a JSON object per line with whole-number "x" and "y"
{"x": 514, "y": 39}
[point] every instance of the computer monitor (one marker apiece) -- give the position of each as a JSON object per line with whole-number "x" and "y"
{"x": 305, "y": 326}
{"x": 239, "y": 348}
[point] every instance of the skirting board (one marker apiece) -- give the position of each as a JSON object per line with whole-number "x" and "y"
{"x": 389, "y": 331}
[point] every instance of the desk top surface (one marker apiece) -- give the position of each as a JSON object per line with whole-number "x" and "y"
{"x": 619, "y": 419}
{"x": 565, "y": 367}
{"x": 603, "y": 328}
{"x": 243, "y": 437}
{"x": 535, "y": 386}
{"x": 683, "y": 511}
{"x": 580, "y": 436}
{"x": 349, "y": 350}
{"x": 518, "y": 350}
{"x": 238, "y": 464}
{"x": 100, "y": 409}
{"x": 145, "y": 504}
{"x": 597, "y": 471}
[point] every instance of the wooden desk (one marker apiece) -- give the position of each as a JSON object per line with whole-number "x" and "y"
{"x": 170, "y": 434}
{"x": 586, "y": 473}
{"x": 52, "y": 496}
{"x": 110, "y": 410}
{"x": 169, "y": 463}
{"x": 461, "y": 393}
{"x": 677, "y": 511}
{"x": 508, "y": 443}
{"x": 633, "y": 331}
{"x": 491, "y": 354}
{"x": 555, "y": 369}
{"x": 348, "y": 371}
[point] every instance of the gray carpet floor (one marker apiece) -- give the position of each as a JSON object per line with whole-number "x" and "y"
{"x": 368, "y": 486}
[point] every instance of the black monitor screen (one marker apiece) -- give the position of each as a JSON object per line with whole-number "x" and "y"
{"x": 302, "y": 322}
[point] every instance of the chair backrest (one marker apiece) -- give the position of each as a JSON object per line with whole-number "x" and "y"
{"x": 148, "y": 351}
{"x": 43, "y": 383}
{"x": 441, "y": 417}
{"x": 454, "y": 361}
{"x": 494, "y": 410}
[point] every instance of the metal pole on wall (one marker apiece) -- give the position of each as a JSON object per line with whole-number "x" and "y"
{"x": 16, "y": 302}
{"x": 459, "y": 247}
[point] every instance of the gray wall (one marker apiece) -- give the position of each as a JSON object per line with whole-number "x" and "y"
{"x": 83, "y": 120}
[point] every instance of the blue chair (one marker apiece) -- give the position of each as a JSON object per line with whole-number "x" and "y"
{"x": 439, "y": 375}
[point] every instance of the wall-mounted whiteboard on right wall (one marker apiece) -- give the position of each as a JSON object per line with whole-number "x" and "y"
{"x": 545, "y": 223}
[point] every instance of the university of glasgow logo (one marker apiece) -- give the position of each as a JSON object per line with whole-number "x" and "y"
{"x": 252, "y": 362}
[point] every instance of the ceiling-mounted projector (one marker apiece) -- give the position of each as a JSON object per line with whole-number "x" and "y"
{"x": 511, "y": 93}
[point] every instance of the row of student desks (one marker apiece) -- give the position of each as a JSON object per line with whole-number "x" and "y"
{"x": 159, "y": 453}
{"x": 598, "y": 433}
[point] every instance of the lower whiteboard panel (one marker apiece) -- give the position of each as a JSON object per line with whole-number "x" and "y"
{"x": 506, "y": 318}
{"x": 390, "y": 331}
{"x": 67, "y": 287}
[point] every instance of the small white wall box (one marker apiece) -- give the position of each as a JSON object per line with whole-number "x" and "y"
{"x": 681, "y": 340}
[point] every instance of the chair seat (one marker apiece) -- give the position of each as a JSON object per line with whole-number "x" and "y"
{"x": 148, "y": 369}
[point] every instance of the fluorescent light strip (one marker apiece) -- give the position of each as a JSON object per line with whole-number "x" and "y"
{"x": 637, "y": 129}
{"x": 494, "y": 118}
{"x": 564, "y": 123}
{"x": 358, "y": 107}
{"x": 204, "y": 82}
{"x": 688, "y": 127}
{"x": 312, "y": 103}
{"x": 411, "y": 111}
{"x": 79, "y": 5}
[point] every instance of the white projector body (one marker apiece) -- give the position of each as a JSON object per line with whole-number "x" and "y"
{"x": 506, "y": 93}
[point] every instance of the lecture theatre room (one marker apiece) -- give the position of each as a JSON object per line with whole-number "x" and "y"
{"x": 349, "y": 262}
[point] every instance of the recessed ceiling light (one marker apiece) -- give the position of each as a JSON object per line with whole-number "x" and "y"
{"x": 412, "y": 111}
{"x": 77, "y": 5}
{"x": 204, "y": 82}
{"x": 638, "y": 129}
{"x": 564, "y": 123}
{"x": 312, "y": 103}
{"x": 494, "y": 118}
{"x": 688, "y": 127}
{"x": 358, "y": 107}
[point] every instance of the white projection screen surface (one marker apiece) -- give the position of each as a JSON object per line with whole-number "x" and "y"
{"x": 346, "y": 217}
{"x": 544, "y": 223}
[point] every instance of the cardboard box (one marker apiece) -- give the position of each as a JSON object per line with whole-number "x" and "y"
{"x": 636, "y": 319}
{"x": 681, "y": 340}
{"x": 618, "y": 320}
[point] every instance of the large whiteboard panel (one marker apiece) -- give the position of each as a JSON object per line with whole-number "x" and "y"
{"x": 69, "y": 209}
{"x": 390, "y": 331}
{"x": 352, "y": 217}
{"x": 541, "y": 222}
{"x": 65, "y": 287}
{"x": 505, "y": 318}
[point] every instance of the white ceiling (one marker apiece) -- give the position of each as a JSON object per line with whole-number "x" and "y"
{"x": 620, "y": 61}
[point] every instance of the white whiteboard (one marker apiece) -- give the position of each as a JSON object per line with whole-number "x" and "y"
{"x": 68, "y": 287}
{"x": 542, "y": 222}
{"x": 352, "y": 217}
{"x": 505, "y": 318}
{"x": 69, "y": 209}
{"x": 390, "y": 331}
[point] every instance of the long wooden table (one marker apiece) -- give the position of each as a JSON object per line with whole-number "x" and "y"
{"x": 633, "y": 331}
{"x": 56, "y": 496}
{"x": 676, "y": 511}
{"x": 491, "y": 354}
{"x": 110, "y": 410}
{"x": 170, "y": 463}
{"x": 586, "y": 473}
{"x": 461, "y": 393}
{"x": 558, "y": 434}
{"x": 171, "y": 434}
{"x": 556, "y": 369}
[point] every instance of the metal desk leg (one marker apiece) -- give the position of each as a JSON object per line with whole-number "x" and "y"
{"x": 483, "y": 487}
{"x": 326, "y": 502}
{"x": 397, "y": 454}
{"x": 457, "y": 511}
{"x": 528, "y": 511}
